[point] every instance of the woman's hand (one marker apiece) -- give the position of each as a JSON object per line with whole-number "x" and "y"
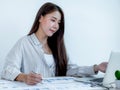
{"x": 33, "y": 78}
{"x": 30, "y": 79}
{"x": 101, "y": 67}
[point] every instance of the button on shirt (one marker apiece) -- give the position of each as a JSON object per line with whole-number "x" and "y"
{"x": 27, "y": 55}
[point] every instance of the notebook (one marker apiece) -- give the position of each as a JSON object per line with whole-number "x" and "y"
{"x": 113, "y": 65}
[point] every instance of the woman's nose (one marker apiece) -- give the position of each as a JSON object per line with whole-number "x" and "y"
{"x": 56, "y": 26}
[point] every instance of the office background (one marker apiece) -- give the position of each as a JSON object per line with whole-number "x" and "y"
{"x": 92, "y": 27}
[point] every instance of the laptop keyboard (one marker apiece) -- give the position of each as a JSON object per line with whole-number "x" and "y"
{"x": 97, "y": 80}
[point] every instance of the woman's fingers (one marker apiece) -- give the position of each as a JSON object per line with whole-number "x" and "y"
{"x": 33, "y": 78}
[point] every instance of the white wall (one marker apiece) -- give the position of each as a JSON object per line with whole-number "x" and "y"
{"x": 92, "y": 27}
{"x": 93, "y": 30}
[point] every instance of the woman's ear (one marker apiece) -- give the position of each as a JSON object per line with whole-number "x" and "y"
{"x": 41, "y": 18}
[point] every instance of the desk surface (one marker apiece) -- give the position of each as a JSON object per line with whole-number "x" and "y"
{"x": 55, "y": 83}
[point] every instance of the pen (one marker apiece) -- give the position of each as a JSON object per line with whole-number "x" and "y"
{"x": 37, "y": 73}
{"x": 34, "y": 72}
{"x": 41, "y": 77}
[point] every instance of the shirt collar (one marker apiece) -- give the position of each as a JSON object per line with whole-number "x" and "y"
{"x": 35, "y": 39}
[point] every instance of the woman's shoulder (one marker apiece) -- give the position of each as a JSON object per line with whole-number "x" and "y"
{"x": 22, "y": 39}
{"x": 25, "y": 38}
{"x": 28, "y": 39}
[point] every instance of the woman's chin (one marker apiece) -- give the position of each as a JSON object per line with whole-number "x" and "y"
{"x": 50, "y": 35}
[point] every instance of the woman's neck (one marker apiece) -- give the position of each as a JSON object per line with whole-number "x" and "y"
{"x": 41, "y": 37}
{"x": 43, "y": 40}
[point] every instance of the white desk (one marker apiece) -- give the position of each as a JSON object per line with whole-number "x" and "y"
{"x": 59, "y": 83}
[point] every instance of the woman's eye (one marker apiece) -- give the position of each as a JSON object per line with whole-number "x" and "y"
{"x": 53, "y": 20}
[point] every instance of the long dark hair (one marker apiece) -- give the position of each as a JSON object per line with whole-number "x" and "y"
{"x": 55, "y": 42}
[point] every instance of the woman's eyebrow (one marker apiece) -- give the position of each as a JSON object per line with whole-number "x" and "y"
{"x": 56, "y": 18}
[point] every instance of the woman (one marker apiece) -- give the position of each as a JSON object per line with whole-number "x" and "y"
{"x": 42, "y": 52}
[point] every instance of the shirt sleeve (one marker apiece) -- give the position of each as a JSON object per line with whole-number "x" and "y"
{"x": 13, "y": 61}
{"x": 75, "y": 70}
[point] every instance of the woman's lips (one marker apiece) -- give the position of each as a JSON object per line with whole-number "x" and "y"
{"x": 53, "y": 31}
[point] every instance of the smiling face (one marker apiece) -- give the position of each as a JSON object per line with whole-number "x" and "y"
{"x": 49, "y": 23}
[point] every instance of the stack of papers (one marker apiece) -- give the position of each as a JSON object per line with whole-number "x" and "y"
{"x": 55, "y": 83}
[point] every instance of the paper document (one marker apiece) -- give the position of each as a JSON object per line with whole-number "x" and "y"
{"x": 54, "y": 83}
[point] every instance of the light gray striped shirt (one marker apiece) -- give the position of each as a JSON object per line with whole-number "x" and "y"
{"x": 27, "y": 55}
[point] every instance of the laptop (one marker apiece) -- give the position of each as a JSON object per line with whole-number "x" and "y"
{"x": 113, "y": 65}
{"x": 109, "y": 78}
